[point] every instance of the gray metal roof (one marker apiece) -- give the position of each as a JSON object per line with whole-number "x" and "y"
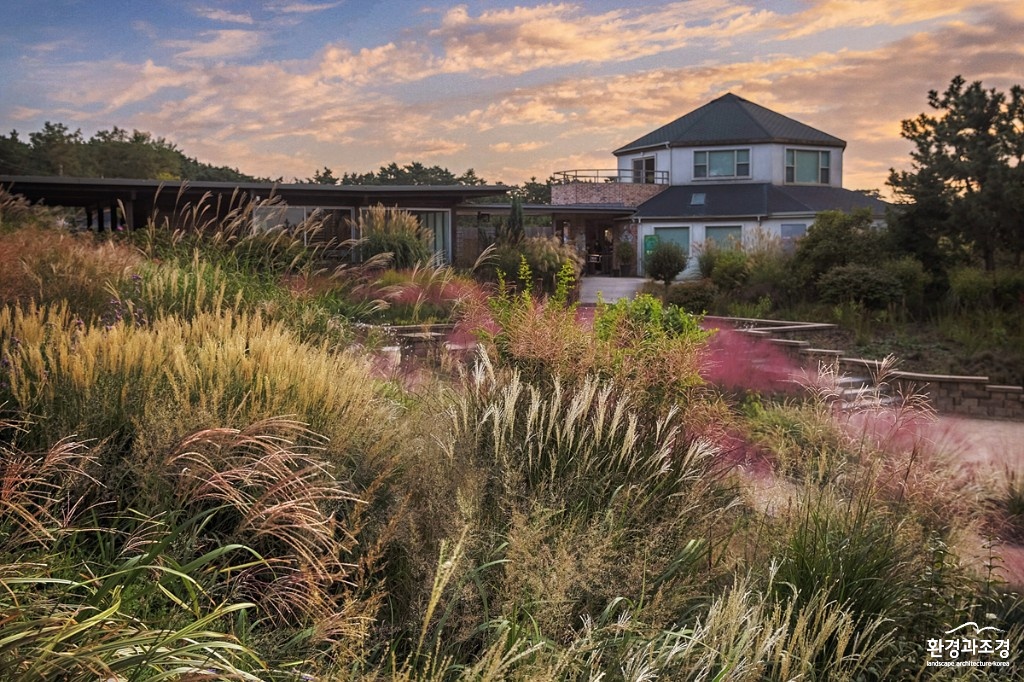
{"x": 731, "y": 120}
{"x": 751, "y": 200}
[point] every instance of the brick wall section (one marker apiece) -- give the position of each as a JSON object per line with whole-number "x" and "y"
{"x": 628, "y": 194}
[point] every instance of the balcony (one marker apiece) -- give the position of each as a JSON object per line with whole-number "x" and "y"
{"x": 603, "y": 187}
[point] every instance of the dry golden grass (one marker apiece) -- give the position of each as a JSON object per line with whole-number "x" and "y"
{"x": 47, "y": 266}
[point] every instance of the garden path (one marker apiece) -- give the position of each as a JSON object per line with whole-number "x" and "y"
{"x": 611, "y": 289}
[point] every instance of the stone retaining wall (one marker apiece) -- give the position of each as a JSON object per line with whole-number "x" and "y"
{"x": 969, "y": 396}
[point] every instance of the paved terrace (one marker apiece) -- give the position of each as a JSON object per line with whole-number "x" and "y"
{"x": 611, "y": 289}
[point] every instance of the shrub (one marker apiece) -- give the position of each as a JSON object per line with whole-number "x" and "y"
{"x": 172, "y": 376}
{"x": 665, "y": 262}
{"x": 870, "y": 286}
{"x": 589, "y": 494}
{"x": 228, "y": 240}
{"x": 423, "y": 294}
{"x": 389, "y": 230}
{"x": 653, "y": 351}
{"x": 544, "y": 256}
{"x": 913, "y": 280}
{"x": 694, "y": 297}
{"x": 625, "y": 255}
{"x": 731, "y": 269}
{"x": 49, "y": 266}
{"x": 867, "y": 557}
{"x": 836, "y": 239}
{"x": 976, "y": 289}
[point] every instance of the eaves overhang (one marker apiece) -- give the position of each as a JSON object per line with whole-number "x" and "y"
{"x": 729, "y": 142}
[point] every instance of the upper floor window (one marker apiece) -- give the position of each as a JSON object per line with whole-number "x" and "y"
{"x": 643, "y": 170}
{"x": 725, "y": 163}
{"x": 807, "y": 167}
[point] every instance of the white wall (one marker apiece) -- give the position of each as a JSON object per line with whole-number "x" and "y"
{"x": 662, "y": 162}
{"x": 767, "y": 163}
{"x": 752, "y": 231}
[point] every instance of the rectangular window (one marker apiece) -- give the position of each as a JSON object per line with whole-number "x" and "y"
{"x": 643, "y": 170}
{"x": 725, "y": 163}
{"x": 790, "y": 233}
{"x": 317, "y": 224}
{"x": 437, "y": 225}
{"x": 676, "y": 235}
{"x": 807, "y": 167}
{"x": 724, "y": 236}
{"x": 435, "y": 229}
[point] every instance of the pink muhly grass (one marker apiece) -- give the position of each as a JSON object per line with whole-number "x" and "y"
{"x": 738, "y": 362}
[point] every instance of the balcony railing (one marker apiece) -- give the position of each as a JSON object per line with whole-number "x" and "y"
{"x": 639, "y": 177}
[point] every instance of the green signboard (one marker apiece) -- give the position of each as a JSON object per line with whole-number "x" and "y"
{"x": 650, "y": 241}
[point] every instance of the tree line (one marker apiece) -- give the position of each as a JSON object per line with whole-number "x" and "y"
{"x": 115, "y": 153}
{"x": 416, "y": 173}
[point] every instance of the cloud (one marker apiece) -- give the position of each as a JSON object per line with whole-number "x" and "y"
{"x": 301, "y": 7}
{"x": 389, "y": 63}
{"x": 512, "y": 147}
{"x": 833, "y": 14}
{"x": 437, "y": 96}
{"x": 218, "y": 45}
{"x": 521, "y": 39}
{"x": 215, "y": 14}
{"x": 20, "y": 113}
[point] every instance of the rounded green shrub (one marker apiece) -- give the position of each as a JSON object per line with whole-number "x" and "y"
{"x": 872, "y": 287}
{"x": 665, "y": 262}
{"x": 912, "y": 277}
{"x": 731, "y": 269}
{"x": 693, "y": 297}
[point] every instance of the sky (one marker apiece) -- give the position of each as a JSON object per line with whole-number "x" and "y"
{"x": 282, "y": 88}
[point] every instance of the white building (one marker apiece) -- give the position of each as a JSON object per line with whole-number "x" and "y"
{"x": 729, "y": 170}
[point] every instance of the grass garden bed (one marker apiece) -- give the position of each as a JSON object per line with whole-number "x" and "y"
{"x": 204, "y": 475}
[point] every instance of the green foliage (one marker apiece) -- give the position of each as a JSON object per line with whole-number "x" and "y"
{"x": 866, "y": 558}
{"x": 665, "y": 262}
{"x": 728, "y": 268}
{"x": 965, "y": 186}
{"x": 694, "y": 297}
{"x": 512, "y": 231}
{"x": 913, "y": 281}
{"x": 873, "y": 287}
{"x": 837, "y": 239}
{"x": 625, "y": 255}
{"x": 565, "y": 286}
{"x": 414, "y": 173}
{"x": 392, "y": 231}
{"x": 545, "y": 257}
{"x": 973, "y": 289}
{"x": 731, "y": 269}
{"x": 652, "y": 350}
{"x": 648, "y": 317}
{"x": 116, "y": 153}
